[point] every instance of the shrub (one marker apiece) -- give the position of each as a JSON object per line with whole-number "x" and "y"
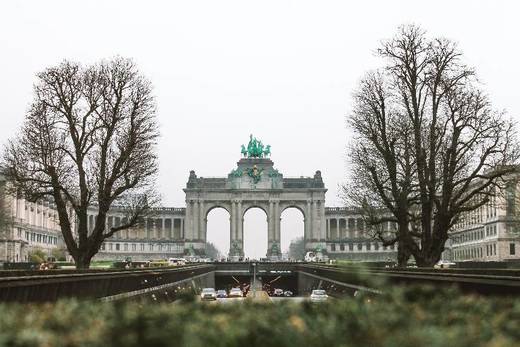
{"x": 37, "y": 256}
{"x": 402, "y": 318}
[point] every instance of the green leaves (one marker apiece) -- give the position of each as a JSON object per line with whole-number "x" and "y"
{"x": 412, "y": 316}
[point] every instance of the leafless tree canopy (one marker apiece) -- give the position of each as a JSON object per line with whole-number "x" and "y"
{"x": 88, "y": 139}
{"x": 428, "y": 145}
{"x": 5, "y": 215}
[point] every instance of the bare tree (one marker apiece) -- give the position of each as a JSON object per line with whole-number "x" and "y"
{"x": 297, "y": 249}
{"x": 6, "y": 219}
{"x": 212, "y": 251}
{"x": 434, "y": 147}
{"x": 88, "y": 141}
{"x": 382, "y": 185}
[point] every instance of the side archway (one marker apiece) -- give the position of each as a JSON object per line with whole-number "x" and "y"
{"x": 292, "y": 233}
{"x": 217, "y": 232}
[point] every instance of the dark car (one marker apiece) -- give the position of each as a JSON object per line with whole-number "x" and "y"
{"x": 221, "y": 294}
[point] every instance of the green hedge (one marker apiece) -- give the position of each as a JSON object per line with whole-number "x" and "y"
{"x": 406, "y": 317}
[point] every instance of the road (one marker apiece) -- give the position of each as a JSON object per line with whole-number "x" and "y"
{"x": 296, "y": 299}
{"x": 273, "y": 299}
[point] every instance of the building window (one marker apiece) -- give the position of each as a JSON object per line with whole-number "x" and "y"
{"x": 134, "y": 247}
{"x": 142, "y": 246}
{"x": 369, "y": 246}
{"x": 126, "y": 246}
{"x": 350, "y": 246}
{"x": 494, "y": 249}
{"x": 109, "y": 246}
{"x": 360, "y": 246}
{"x": 117, "y": 247}
{"x": 512, "y": 250}
{"x": 342, "y": 247}
{"x": 376, "y": 246}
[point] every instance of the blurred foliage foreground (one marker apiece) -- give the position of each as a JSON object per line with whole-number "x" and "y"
{"x": 403, "y": 317}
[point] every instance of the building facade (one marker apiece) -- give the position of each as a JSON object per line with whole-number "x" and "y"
{"x": 28, "y": 227}
{"x": 161, "y": 237}
{"x": 489, "y": 233}
{"x": 347, "y": 237}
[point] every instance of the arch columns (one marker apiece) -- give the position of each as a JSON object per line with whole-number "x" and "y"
{"x": 273, "y": 229}
{"x": 236, "y": 244}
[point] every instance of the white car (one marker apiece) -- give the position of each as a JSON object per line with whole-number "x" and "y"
{"x": 235, "y": 293}
{"x": 319, "y": 295}
{"x": 278, "y": 292}
{"x": 444, "y": 264}
{"x": 208, "y": 294}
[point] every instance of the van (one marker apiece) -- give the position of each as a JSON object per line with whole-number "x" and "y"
{"x": 176, "y": 261}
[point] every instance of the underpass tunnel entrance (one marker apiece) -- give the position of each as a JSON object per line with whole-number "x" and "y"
{"x": 217, "y": 233}
{"x": 226, "y": 282}
{"x": 285, "y": 283}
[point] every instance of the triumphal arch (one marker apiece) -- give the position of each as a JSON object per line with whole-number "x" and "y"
{"x": 255, "y": 182}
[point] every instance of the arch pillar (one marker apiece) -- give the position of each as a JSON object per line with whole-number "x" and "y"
{"x": 236, "y": 245}
{"x": 273, "y": 227}
{"x": 202, "y": 222}
{"x": 307, "y": 227}
{"x": 233, "y": 222}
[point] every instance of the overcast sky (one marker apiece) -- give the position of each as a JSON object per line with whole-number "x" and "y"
{"x": 281, "y": 70}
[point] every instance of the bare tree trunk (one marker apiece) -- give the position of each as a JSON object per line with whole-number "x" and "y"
{"x": 88, "y": 142}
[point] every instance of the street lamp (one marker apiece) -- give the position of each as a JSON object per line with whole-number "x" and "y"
{"x": 254, "y": 280}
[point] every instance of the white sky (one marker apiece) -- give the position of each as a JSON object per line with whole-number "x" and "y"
{"x": 282, "y": 70}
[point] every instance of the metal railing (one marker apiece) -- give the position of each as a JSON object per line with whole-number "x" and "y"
{"x": 48, "y": 286}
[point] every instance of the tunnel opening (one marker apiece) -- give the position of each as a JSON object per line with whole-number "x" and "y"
{"x": 226, "y": 282}
{"x": 286, "y": 283}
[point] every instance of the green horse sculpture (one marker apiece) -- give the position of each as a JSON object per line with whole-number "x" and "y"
{"x": 255, "y": 149}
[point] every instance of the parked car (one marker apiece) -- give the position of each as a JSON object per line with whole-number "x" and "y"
{"x": 288, "y": 293}
{"x": 319, "y": 295}
{"x": 221, "y": 293}
{"x": 208, "y": 294}
{"x": 278, "y": 292}
{"x": 235, "y": 293}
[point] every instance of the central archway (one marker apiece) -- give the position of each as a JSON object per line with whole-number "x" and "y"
{"x": 255, "y": 233}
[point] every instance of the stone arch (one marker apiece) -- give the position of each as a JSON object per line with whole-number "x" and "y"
{"x": 263, "y": 232}
{"x": 223, "y": 247}
{"x": 286, "y": 239}
{"x": 211, "y": 206}
{"x": 261, "y": 205}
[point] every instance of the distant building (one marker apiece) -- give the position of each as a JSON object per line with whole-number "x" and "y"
{"x": 348, "y": 239}
{"x": 27, "y": 227}
{"x": 161, "y": 237}
{"x": 489, "y": 233}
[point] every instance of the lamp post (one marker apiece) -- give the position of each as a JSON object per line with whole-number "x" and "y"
{"x": 254, "y": 280}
